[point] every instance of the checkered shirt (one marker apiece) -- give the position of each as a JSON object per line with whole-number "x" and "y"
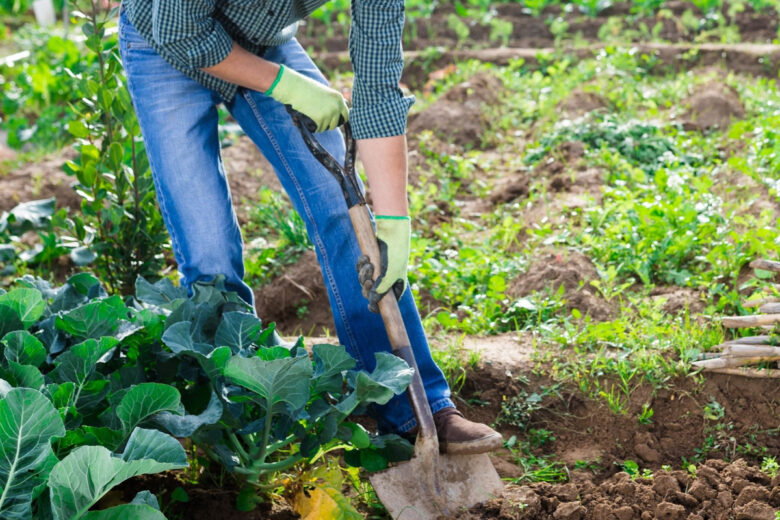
{"x": 194, "y": 34}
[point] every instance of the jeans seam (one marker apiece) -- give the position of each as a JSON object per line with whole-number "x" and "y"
{"x": 317, "y": 238}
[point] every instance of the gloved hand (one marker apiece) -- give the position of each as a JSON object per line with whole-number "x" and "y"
{"x": 322, "y": 104}
{"x": 393, "y": 236}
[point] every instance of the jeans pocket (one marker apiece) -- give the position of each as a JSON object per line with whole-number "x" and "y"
{"x": 129, "y": 36}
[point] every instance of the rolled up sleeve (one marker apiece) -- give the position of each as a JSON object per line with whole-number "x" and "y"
{"x": 188, "y": 33}
{"x": 379, "y": 107}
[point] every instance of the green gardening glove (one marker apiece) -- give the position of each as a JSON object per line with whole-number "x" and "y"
{"x": 322, "y": 104}
{"x": 393, "y": 236}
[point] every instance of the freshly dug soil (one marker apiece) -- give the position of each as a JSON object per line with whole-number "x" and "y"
{"x": 40, "y": 180}
{"x": 713, "y": 106}
{"x": 718, "y": 491}
{"x": 678, "y": 299}
{"x": 458, "y": 116}
{"x": 587, "y": 430}
{"x": 297, "y": 300}
{"x": 580, "y": 103}
{"x": 569, "y": 269}
{"x": 247, "y": 172}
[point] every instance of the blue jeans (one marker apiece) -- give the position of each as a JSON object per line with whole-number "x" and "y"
{"x": 178, "y": 118}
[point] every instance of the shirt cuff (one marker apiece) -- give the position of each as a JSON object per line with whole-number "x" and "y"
{"x": 380, "y": 120}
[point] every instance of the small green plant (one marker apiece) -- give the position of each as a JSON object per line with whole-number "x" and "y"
{"x": 714, "y": 411}
{"x": 455, "y": 362}
{"x": 646, "y": 415}
{"x": 535, "y": 468}
{"x": 630, "y": 467}
{"x": 538, "y": 437}
{"x": 770, "y": 466}
{"x": 500, "y": 31}
{"x": 593, "y": 466}
{"x": 616, "y": 401}
{"x": 517, "y": 410}
{"x": 459, "y": 27}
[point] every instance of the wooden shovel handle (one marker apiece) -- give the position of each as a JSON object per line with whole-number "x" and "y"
{"x": 394, "y": 325}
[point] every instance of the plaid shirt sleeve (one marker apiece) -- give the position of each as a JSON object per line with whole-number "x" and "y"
{"x": 379, "y": 107}
{"x": 188, "y": 34}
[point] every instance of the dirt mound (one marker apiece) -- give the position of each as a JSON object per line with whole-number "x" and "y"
{"x": 40, "y": 180}
{"x": 509, "y": 189}
{"x": 297, "y": 300}
{"x": 677, "y": 299}
{"x": 713, "y": 105}
{"x": 247, "y": 172}
{"x": 458, "y": 116}
{"x": 718, "y": 490}
{"x": 580, "y": 103}
{"x": 725, "y": 416}
{"x": 569, "y": 269}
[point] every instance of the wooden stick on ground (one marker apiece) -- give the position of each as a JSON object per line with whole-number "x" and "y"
{"x": 766, "y": 265}
{"x": 750, "y": 351}
{"x": 759, "y": 302}
{"x": 749, "y": 372}
{"x": 752, "y": 340}
{"x": 769, "y": 308}
{"x": 741, "y": 322}
{"x": 728, "y": 362}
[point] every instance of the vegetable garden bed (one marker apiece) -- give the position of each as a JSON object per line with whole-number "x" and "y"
{"x": 583, "y": 219}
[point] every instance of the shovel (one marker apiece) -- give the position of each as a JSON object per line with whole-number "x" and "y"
{"x": 430, "y": 485}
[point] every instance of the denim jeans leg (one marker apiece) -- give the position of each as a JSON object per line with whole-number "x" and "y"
{"x": 178, "y": 119}
{"x": 317, "y": 197}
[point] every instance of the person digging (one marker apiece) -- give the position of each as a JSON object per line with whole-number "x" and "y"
{"x": 184, "y": 57}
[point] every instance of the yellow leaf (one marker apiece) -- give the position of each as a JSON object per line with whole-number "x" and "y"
{"x": 324, "y": 503}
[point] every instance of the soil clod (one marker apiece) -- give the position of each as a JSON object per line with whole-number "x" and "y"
{"x": 713, "y": 106}
{"x": 296, "y": 300}
{"x": 571, "y": 270}
{"x": 459, "y": 115}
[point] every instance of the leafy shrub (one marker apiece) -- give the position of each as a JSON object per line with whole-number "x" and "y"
{"x": 121, "y": 224}
{"x": 35, "y": 93}
{"x": 88, "y": 380}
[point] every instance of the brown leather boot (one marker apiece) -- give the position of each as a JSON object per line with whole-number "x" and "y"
{"x": 459, "y": 436}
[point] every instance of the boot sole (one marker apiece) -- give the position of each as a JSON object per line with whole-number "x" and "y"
{"x": 484, "y": 444}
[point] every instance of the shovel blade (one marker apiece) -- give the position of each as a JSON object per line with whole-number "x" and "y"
{"x": 464, "y": 481}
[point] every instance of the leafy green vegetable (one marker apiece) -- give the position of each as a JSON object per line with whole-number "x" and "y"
{"x": 28, "y": 424}
{"x": 79, "y": 480}
{"x": 145, "y": 400}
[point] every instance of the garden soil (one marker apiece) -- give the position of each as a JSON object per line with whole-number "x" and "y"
{"x": 459, "y": 116}
{"x": 718, "y": 491}
{"x": 532, "y": 32}
{"x": 40, "y": 180}
{"x": 297, "y": 300}
{"x": 713, "y": 106}
{"x": 568, "y": 269}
